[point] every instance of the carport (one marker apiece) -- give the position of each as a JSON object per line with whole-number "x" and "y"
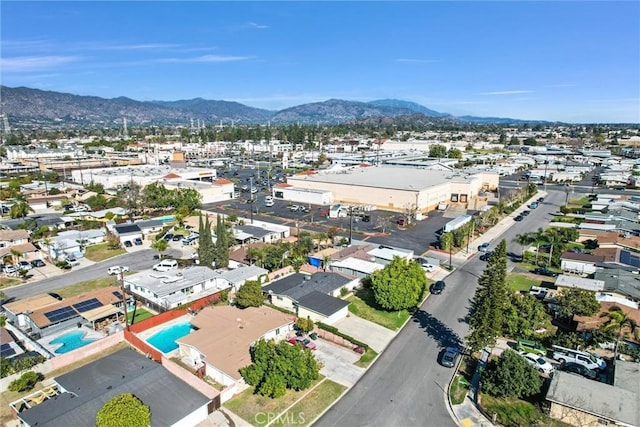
{"x": 101, "y": 313}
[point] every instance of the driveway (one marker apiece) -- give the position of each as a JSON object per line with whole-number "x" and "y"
{"x": 375, "y": 336}
{"x": 338, "y": 363}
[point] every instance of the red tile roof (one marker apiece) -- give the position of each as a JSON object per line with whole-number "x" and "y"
{"x": 282, "y": 185}
{"x": 222, "y": 181}
{"x": 172, "y": 176}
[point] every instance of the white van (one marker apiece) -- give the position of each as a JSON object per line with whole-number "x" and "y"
{"x": 584, "y": 358}
{"x": 166, "y": 265}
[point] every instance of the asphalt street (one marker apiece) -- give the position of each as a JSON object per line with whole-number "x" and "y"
{"x": 136, "y": 261}
{"x": 406, "y": 385}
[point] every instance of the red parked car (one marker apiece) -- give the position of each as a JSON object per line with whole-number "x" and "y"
{"x": 303, "y": 341}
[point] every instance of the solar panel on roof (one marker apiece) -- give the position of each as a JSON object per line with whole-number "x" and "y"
{"x": 117, "y": 294}
{"x": 6, "y": 350}
{"x": 60, "y": 314}
{"x": 87, "y": 305}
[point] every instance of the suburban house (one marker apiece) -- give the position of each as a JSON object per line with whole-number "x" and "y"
{"x": 238, "y": 257}
{"x": 77, "y": 396}
{"x": 355, "y": 267}
{"x": 44, "y": 315}
{"x": 251, "y": 233}
{"x": 10, "y": 238}
{"x": 126, "y": 232}
{"x": 224, "y": 337}
{"x": 26, "y": 251}
{"x": 314, "y": 296}
{"x": 72, "y": 242}
{"x": 579, "y": 401}
{"x": 579, "y": 263}
{"x": 8, "y": 346}
{"x": 150, "y": 226}
{"x": 238, "y": 276}
{"x": 170, "y": 289}
{"x": 610, "y": 285}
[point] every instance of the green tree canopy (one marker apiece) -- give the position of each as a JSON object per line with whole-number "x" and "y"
{"x": 579, "y": 302}
{"x": 206, "y": 253}
{"x": 278, "y": 367}
{"x": 454, "y": 153}
{"x": 438, "y": 150}
{"x": 399, "y": 285}
{"x": 124, "y": 410}
{"x": 223, "y": 240}
{"x": 490, "y": 302}
{"x": 510, "y": 376}
{"x": 250, "y": 294}
{"x": 160, "y": 245}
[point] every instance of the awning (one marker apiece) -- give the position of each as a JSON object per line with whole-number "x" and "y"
{"x": 100, "y": 312}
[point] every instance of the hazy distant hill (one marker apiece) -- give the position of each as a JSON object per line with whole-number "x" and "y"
{"x": 335, "y": 111}
{"x": 33, "y": 107}
{"x": 408, "y": 105}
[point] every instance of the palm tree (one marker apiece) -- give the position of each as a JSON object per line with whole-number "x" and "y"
{"x": 525, "y": 239}
{"x": 160, "y": 245}
{"x": 20, "y": 209}
{"x": 326, "y": 261}
{"x": 16, "y": 255}
{"x": 618, "y": 322}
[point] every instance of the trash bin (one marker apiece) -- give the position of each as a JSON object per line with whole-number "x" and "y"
{"x": 313, "y": 336}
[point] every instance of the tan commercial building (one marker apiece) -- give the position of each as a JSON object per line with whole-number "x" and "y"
{"x": 400, "y": 188}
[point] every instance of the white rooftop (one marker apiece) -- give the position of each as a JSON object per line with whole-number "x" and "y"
{"x": 165, "y": 283}
{"x": 357, "y": 264}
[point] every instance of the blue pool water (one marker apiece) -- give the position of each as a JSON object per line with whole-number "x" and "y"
{"x": 70, "y": 341}
{"x": 168, "y": 218}
{"x": 165, "y": 340}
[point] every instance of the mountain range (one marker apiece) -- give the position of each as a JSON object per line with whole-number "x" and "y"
{"x": 34, "y": 107}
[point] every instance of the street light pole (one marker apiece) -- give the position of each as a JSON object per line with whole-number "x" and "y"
{"x": 251, "y": 199}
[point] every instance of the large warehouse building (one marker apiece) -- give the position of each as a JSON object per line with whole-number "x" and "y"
{"x": 399, "y": 188}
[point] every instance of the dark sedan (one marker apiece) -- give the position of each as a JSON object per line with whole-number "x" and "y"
{"x": 576, "y": 368}
{"x": 438, "y": 287}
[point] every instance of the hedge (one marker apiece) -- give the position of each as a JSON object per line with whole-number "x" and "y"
{"x": 335, "y": 331}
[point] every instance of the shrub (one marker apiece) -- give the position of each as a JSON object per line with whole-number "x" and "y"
{"x": 344, "y": 292}
{"x": 26, "y": 381}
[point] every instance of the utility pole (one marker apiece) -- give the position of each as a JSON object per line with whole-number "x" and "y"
{"x": 350, "y": 224}
{"x": 251, "y": 198}
{"x": 124, "y": 297}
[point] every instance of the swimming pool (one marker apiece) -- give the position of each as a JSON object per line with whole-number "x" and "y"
{"x": 165, "y": 340}
{"x": 168, "y": 218}
{"x": 70, "y": 341}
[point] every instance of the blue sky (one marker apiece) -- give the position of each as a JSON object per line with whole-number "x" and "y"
{"x": 565, "y": 60}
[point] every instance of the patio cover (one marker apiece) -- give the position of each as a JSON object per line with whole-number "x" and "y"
{"x": 100, "y": 312}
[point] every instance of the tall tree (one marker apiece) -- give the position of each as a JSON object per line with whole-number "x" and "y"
{"x": 399, "y": 285}
{"x": 510, "y": 376}
{"x": 250, "y": 294}
{"x": 438, "y": 150}
{"x": 221, "y": 250}
{"x": 619, "y": 322}
{"x": 160, "y": 245}
{"x": 490, "y": 302}
{"x": 205, "y": 248}
{"x": 20, "y": 209}
{"x": 577, "y": 301}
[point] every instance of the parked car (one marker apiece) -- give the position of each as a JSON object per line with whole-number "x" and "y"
{"x": 56, "y": 296}
{"x": 137, "y": 241}
{"x": 24, "y": 265}
{"x": 294, "y": 208}
{"x": 428, "y": 267}
{"x": 72, "y": 261}
{"x": 540, "y": 199}
{"x": 306, "y": 342}
{"x": 486, "y": 256}
{"x": 166, "y": 265}
{"x": 128, "y": 244}
{"x": 518, "y": 218}
{"x": 437, "y": 287}
{"x": 533, "y": 205}
{"x": 9, "y": 269}
{"x": 484, "y": 247}
{"x": 450, "y": 357}
{"x": 544, "y": 271}
{"x": 538, "y": 362}
{"x": 168, "y": 236}
{"x": 402, "y": 222}
{"x": 38, "y": 263}
{"x": 366, "y": 218}
{"x": 117, "y": 269}
{"x": 525, "y": 213}
{"x": 576, "y": 368}
{"x": 177, "y": 237}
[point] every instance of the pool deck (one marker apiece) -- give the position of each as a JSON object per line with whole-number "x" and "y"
{"x": 89, "y": 334}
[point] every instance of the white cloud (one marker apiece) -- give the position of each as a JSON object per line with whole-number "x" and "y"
{"x": 30, "y": 63}
{"x": 417, "y": 61}
{"x": 255, "y": 26}
{"x": 205, "y": 59}
{"x": 507, "y": 92}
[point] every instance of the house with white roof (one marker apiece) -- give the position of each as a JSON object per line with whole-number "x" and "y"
{"x": 170, "y": 289}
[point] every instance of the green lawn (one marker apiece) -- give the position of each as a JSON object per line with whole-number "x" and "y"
{"x": 251, "y": 407}
{"x": 516, "y": 412}
{"x": 102, "y": 251}
{"x": 6, "y": 282}
{"x": 364, "y": 305}
{"x": 308, "y": 409}
{"x": 366, "y": 359}
{"x": 521, "y": 282}
{"x": 89, "y": 285}
{"x": 579, "y": 202}
{"x": 141, "y": 314}
{"x": 459, "y": 389}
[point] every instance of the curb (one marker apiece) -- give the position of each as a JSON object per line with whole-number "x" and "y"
{"x": 452, "y": 413}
